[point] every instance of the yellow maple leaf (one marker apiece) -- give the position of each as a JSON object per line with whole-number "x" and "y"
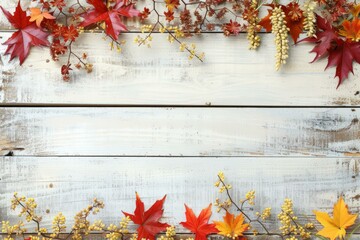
{"x": 355, "y": 10}
{"x": 232, "y": 227}
{"x": 336, "y": 226}
{"x": 37, "y": 15}
{"x": 172, "y": 4}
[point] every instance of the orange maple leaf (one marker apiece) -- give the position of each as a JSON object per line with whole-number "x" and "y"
{"x": 335, "y": 227}
{"x": 351, "y": 29}
{"x": 171, "y": 4}
{"x": 232, "y": 227}
{"x": 355, "y": 10}
{"x": 38, "y": 16}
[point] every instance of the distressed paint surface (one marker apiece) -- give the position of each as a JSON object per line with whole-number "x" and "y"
{"x": 181, "y": 131}
{"x": 162, "y": 75}
{"x": 65, "y": 156}
{"x": 313, "y": 183}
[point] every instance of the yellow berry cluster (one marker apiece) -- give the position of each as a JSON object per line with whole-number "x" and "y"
{"x": 178, "y": 33}
{"x": 310, "y": 18}
{"x": 221, "y": 176}
{"x": 143, "y": 40}
{"x": 133, "y": 236}
{"x": 252, "y": 28}
{"x": 113, "y": 232}
{"x": 58, "y": 225}
{"x": 280, "y": 30}
{"x": 27, "y": 207}
{"x": 117, "y": 45}
{"x": 146, "y": 28}
{"x": 222, "y": 186}
{"x": 250, "y": 197}
{"x": 10, "y": 230}
{"x": 221, "y": 183}
{"x": 266, "y": 214}
{"x": 286, "y": 217}
{"x": 289, "y": 225}
{"x": 222, "y": 205}
{"x": 169, "y": 235}
{"x": 193, "y": 53}
{"x": 81, "y": 223}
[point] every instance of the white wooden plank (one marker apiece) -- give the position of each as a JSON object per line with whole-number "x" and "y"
{"x": 230, "y": 75}
{"x": 181, "y": 131}
{"x": 313, "y": 183}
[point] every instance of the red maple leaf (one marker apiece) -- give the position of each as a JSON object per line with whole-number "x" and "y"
{"x": 294, "y": 19}
{"x": 28, "y": 35}
{"x": 111, "y": 16}
{"x": 342, "y": 56}
{"x": 199, "y": 225}
{"x": 293, "y": 16}
{"x": 341, "y": 53}
{"x": 148, "y": 220}
{"x": 325, "y": 38}
{"x": 265, "y": 22}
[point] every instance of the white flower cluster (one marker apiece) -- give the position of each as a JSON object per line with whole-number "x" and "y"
{"x": 310, "y": 19}
{"x": 280, "y": 30}
{"x": 252, "y": 36}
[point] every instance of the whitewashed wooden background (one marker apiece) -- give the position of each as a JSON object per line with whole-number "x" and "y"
{"x": 151, "y": 121}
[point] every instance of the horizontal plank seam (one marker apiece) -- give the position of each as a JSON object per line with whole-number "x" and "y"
{"x": 179, "y": 156}
{"x": 72, "y": 105}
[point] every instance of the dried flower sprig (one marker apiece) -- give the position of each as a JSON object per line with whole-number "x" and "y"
{"x": 81, "y": 227}
{"x": 232, "y": 227}
{"x": 249, "y": 198}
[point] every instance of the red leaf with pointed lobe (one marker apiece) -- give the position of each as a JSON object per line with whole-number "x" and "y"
{"x": 28, "y": 35}
{"x": 341, "y": 53}
{"x": 265, "y": 22}
{"x": 342, "y": 57}
{"x": 294, "y": 20}
{"x": 199, "y": 225}
{"x": 324, "y": 40}
{"x": 148, "y": 220}
{"x": 111, "y": 16}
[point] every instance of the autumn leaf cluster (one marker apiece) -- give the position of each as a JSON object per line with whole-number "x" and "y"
{"x": 51, "y": 19}
{"x": 150, "y": 224}
{"x": 332, "y": 26}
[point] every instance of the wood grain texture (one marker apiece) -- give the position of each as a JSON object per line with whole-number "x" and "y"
{"x": 181, "y": 131}
{"x": 313, "y": 183}
{"x": 162, "y": 75}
